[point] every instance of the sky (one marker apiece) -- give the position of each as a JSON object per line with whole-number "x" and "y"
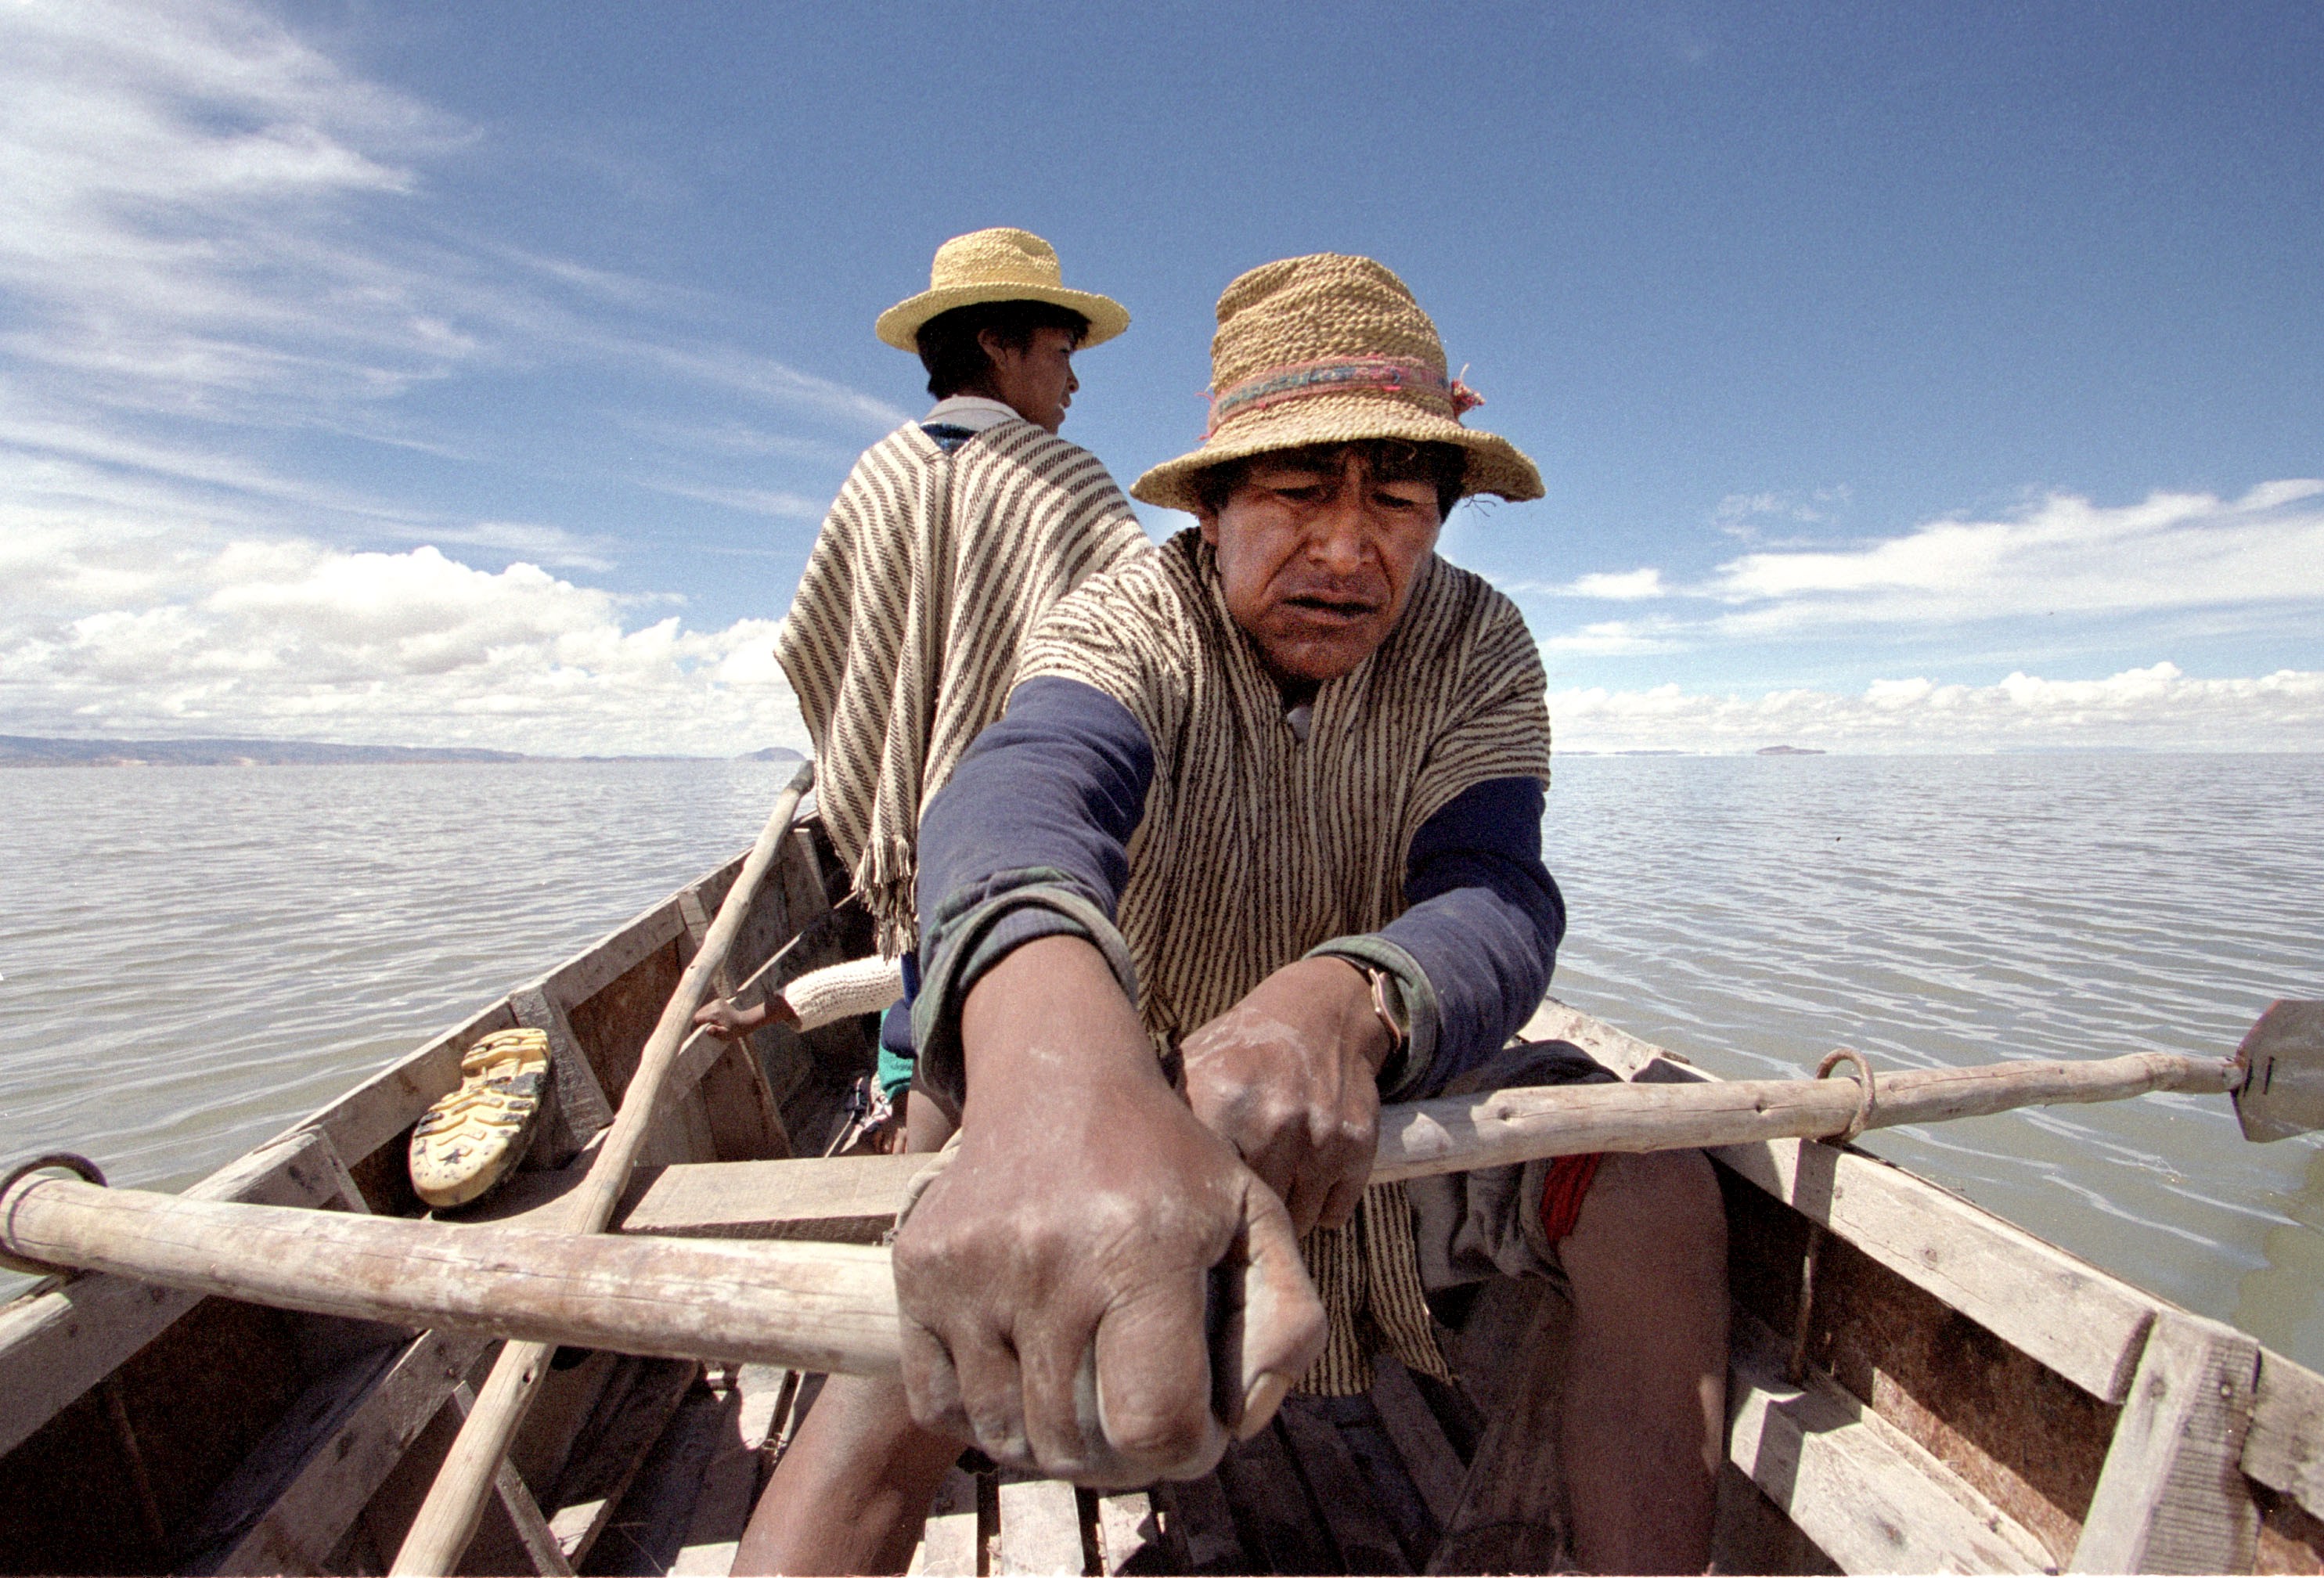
{"x": 1902, "y": 378}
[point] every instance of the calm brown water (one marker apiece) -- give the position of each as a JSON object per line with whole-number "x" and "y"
{"x": 191, "y": 958}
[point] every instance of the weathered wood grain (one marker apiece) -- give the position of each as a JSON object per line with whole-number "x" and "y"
{"x": 1365, "y": 1539}
{"x": 1271, "y": 1505}
{"x": 649, "y": 1528}
{"x": 578, "y": 1111}
{"x": 56, "y": 1346}
{"x": 730, "y": 1482}
{"x": 1129, "y": 1533}
{"x": 630, "y": 1416}
{"x": 1456, "y": 1133}
{"x": 1436, "y": 1469}
{"x": 2086, "y": 1325}
{"x": 390, "y": 1101}
{"x": 534, "y": 1538}
{"x": 2027, "y": 1437}
{"x": 838, "y": 1199}
{"x": 1040, "y": 1527}
{"x": 1202, "y": 1526}
{"x": 949, "y": 1546}
{"x": 307, "y": 1510}
{"x": 812, "y": 1306}
{"x": 2285, "y": 1448}
{"x": 736, "y": 1099}
{"x": 1865, "y": 1493}
{"x": 2173, "y": 1498}
{"x": 2063, "y": 1312}
{"x": 613, "y": 955}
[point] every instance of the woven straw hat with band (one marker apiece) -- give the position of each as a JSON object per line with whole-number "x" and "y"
{"x": 1331, "y": 350}
{"x": 996, "y": 266}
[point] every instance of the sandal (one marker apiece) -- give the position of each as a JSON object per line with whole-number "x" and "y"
{"x": 471, "y": 1140}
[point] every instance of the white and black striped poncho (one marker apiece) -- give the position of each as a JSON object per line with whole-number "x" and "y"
{"x": 929, "y": 571}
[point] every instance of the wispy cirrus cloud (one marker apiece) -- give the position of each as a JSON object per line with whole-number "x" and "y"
{"x": 2064, "y": 554}
{"x": 2170, "y": 553}
{"x": 213, "y": 234}
{"x": 2155, "y": 707}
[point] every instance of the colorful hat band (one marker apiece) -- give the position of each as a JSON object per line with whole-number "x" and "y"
{"x": 1342, "y": 375}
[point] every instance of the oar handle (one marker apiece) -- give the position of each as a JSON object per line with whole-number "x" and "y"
{"x": 802, "y": 1305}
{"x": 1459, "y": 1133}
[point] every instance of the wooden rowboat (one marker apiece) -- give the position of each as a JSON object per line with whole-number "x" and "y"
{"x": 1916, "y": 1385}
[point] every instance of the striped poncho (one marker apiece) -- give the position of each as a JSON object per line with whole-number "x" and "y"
{"x": 928, "y": 572}
{"x": 1255, "y": 846}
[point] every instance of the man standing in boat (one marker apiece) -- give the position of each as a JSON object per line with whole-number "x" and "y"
{"x": 1272, "y": 797}
{"x": 948, "y": 541}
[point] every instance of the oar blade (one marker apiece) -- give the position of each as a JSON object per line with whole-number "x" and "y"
{"x": 2283, "y": 1093}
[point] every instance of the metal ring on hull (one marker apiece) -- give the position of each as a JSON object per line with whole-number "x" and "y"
{"x": 67, "y": 1160}
{"x": 1865, "y": 1098}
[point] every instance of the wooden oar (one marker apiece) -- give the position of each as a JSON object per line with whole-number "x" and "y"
{"x": 808, "y": 1306}
{"x": 831, "y": 1306}
{"x": 448, "y": 1519}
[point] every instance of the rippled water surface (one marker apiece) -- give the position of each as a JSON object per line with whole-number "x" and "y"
{"x": 1755, "y": 912}
{"x": 194, "y": 958}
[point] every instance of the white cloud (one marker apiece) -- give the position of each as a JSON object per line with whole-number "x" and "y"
{"x": 2156, "y": 707}
{"x": 182, "y": 633}
{"x": 1613, "y": 637}
{"x": 171, "y": 181}
{"x": 1626, "y": 586}
{"x": 544, "y": 545}
{"x": 2171, "y": 553}
{"x": 752, "y": 501}
{"x": 2172, "y": 550}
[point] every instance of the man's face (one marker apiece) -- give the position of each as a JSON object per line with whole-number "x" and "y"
{"x": 1037, "y": 381}
{"x": 1317, "y": 558}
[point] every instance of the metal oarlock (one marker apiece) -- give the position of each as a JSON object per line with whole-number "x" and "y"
{"x": 71, "y": 1161}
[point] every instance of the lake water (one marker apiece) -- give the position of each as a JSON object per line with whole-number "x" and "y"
{"x": 191, "y": 958}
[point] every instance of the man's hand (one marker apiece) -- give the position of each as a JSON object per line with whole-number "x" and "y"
{"x": 724, "y": 1021}
{"x": 1287, "y": 1077}
{"x": 1054, "y": 1279}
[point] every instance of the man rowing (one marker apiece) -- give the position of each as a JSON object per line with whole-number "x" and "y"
{"x": 1271, "y": 797}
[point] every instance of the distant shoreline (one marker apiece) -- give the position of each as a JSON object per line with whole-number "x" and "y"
{"x": 34, "y": 751}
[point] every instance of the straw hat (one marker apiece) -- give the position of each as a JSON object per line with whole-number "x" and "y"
{"x": 996, "y": 266}
{"x": 1330, "y": 350}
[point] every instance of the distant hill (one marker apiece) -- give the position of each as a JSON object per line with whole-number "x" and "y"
{"x": 31, "y": 750}
{"x": 1789, "y": 751}
{"x": 28, "y": 751}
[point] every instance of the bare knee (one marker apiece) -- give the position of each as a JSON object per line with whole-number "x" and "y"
{"x": 1668, "y": 1197}
{"x": 1653, "y": 1228}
